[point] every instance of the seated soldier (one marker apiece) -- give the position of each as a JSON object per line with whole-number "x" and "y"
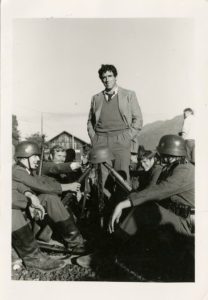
{"x": 63, "y": 171}
{"x": 58, "y": 168}
{"x": 22, "y": 236}
{"x": 48, "y": 191}
{"x": 169, "y": 203}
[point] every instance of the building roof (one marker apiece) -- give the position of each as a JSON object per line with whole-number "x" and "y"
{"x": 69, "y": 134}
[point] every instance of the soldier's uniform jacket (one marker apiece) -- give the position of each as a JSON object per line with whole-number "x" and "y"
{"x": 63, "y": 172}
{"x": 39, "y": 184}
{"x": 19, "y": 200}
{"x": 177, "y": 186}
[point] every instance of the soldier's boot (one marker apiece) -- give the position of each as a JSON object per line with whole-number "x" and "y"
{"x": 26, "y": 246}
{"x": 72, "y": 237}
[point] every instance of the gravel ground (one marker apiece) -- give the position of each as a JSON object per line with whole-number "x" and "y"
{"x": 123, "y": 269}
{"x": 104, "y": 271}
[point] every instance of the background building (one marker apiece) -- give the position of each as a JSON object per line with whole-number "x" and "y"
{"x": 67, "y": 140}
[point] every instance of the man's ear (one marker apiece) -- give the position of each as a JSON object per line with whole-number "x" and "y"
{"x": 24, "y": 161}
{"x": 51, "y": 156}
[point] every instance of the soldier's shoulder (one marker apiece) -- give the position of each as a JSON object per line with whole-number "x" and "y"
{"x": 18, "y": 169}
{"x": 185, "y": 169}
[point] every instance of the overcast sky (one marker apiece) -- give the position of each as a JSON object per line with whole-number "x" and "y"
{"x": 55, "y": 64}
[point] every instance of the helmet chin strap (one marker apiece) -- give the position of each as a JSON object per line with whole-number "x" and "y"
{"x": 22, "y": 165}
{"x": 29, "y": 165}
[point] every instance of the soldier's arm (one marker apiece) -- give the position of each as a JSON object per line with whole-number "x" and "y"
{"x": 50, "y": 168}
{"x": 180, "y": 181}
{"x": 38, "y": 184}
{"x": 43, "y": 184}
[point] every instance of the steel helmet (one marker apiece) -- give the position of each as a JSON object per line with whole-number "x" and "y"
{"x": 172, "y": 145}
{"x": 100, "y": 154}
{"x": 26, "y": 149}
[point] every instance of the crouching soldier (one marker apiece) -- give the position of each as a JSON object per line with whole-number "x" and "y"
{"x": 166, "y": 206}
{"x": 27, "y": 156}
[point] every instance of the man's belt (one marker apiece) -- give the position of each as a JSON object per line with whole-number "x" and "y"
{"x": 180, "y": 209}
{"x": 112, "y": 133}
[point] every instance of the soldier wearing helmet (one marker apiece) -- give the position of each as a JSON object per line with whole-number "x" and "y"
{"x": 47, "y": 191}
{"x": 169, "y": 203}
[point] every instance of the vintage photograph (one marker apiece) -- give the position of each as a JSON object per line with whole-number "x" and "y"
{"x": 103, "y": 145}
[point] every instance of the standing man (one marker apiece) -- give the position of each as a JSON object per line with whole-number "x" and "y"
{"x": 188, "y": 133}
{"x": 115, "y": 119}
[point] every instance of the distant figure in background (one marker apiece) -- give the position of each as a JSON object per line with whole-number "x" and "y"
{"x": 188, "y": 133}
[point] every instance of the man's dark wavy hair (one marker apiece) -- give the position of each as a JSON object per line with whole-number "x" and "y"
{"x": 105, "y": 68}
{"x": 189, "y": 109}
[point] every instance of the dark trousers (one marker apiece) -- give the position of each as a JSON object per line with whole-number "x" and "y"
{"x": 153, "y": 216}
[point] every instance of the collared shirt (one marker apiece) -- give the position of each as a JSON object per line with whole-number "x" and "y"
{"x": 109, "y": 96}
{"x": 189, "y": 128}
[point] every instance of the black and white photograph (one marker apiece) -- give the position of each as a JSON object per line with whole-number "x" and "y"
{"x": 103, "y": 116}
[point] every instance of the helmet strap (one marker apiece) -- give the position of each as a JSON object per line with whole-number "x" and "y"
{"x": 19, "y": 163}
{"x": 28, "y": 159}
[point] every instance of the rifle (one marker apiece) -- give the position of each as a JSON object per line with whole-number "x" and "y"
{"x": 124, "y": 184}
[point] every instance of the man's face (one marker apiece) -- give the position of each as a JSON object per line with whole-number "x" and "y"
{"x": 186, "y": 114}
{"x": 31, "y": 162}
{"x": 147, "y": 163}
{"x": 109, "y": 80}
{"x": 59, "y": 157}
{"x": 168, "y": 159}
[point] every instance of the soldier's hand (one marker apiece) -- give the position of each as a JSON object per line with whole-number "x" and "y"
{"x": 34, "y": 199}
{"x": 35, "y": 203}
{"x": 37, "y": 213}
{"x": 74, "y": 187}
{"x": 75, "y": 165}
{"x": 115, "y": 218}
